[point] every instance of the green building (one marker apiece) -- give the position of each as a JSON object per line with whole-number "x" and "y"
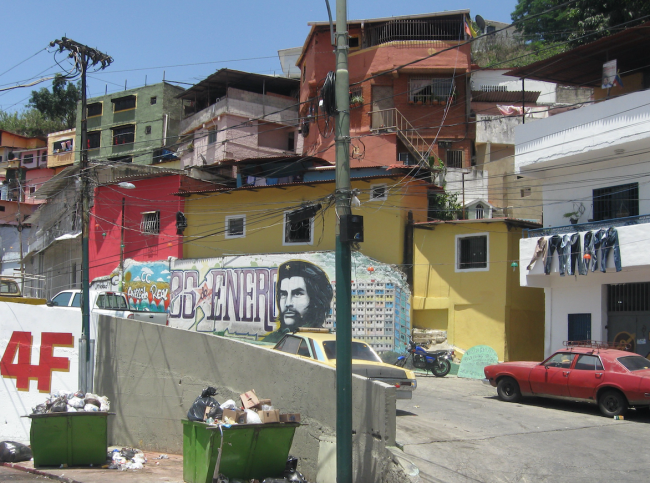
{"x": 133, "y": 125}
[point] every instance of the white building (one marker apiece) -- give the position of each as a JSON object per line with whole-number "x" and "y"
{"x": 593, "y": 166}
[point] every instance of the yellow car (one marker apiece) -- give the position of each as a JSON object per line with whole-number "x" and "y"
{"x": 320, "y": 345}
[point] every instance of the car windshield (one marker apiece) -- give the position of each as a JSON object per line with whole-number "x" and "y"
{"x": 634, "y": 363}
{"x": 360, "y": 351}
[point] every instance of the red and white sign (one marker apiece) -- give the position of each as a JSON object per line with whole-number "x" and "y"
{"x": 38, "y": 355}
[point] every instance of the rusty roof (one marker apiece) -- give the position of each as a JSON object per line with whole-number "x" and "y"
{"x": 583, "y": 66}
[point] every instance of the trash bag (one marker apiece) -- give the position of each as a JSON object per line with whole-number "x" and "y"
{"x": 76, "y": 402}
{"x": 60, "y": 405}
{"x": 40, "y": 409}
{"x": 12, "y": 452}
{"x": 197, "y": 410}
{"x": 252, "y": 417}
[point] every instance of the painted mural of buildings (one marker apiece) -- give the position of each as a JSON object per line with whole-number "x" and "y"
{"x": 380, "y": 314}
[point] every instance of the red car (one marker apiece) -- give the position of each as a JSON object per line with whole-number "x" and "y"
{"x": 613, "y": 379}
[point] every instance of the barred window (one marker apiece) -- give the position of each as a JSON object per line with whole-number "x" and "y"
{"x": 300, "y": 232}
{"x": 150, "y": 224}
{"x": 212, "y": 136}
{"x": 472, "y": 252}
{"x": 123, "y": 135}
{"x": 378, "y": 192}
{"x": 123, "y": 103}
{"x": 454, "y": 158}
{"x": 94, "y": 139}
{"x": 235, "y": 226}
{"x": 94, "y": 109}
{"x": 427, "y": 89}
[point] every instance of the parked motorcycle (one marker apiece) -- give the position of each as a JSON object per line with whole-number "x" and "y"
{"x": 437, "y": 362}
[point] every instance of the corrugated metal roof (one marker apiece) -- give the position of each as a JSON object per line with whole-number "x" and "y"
{"x": 583, "y": 66}
{"x": 530, "y": 97}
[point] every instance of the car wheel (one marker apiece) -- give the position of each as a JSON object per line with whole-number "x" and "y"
{"x": 441, "y": 368}
{"x": 508, "y": 390}
{"x": 612, "y": 403}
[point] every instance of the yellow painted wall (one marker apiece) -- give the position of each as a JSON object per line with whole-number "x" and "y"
{"x": 264, "y": 207}
{"x": 483, "y": 307}
{"x": 524, "y": 313}
{"x": 631, "y": 83}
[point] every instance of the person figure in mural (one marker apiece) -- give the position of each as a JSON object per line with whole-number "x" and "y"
{"x": 303, "y": 295}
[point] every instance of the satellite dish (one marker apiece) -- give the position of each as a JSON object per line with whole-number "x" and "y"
{"x": 480, "y": 22}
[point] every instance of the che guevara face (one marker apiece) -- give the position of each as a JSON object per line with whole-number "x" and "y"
{"x": 294, "y": 301}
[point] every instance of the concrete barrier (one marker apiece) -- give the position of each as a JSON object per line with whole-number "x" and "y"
{"x": 152, "y": 374}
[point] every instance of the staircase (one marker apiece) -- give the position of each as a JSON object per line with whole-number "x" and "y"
{"x": 391, "y": 120}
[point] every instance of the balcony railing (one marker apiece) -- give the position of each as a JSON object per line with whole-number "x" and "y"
{"x": 414, "y": 30}
{"x": 591, "y": 226}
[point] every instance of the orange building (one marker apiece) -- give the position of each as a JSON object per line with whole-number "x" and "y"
{"x": 409, "y": 90}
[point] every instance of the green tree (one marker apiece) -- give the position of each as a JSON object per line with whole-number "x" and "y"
{"x": 60, "y": 104}
{"x": 577, "y": 19}
{"x": 444, "y": 206}
{"x": 29, "y": 123}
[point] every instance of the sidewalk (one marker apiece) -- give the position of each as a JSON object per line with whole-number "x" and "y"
{"x": 167, "y": 470}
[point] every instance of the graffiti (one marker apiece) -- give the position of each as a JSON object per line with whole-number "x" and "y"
{"x": 145, "y": 284}
{"x": 265, "y": 296}
{"x": 23, "y": 370}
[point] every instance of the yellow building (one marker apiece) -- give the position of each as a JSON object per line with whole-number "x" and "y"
{"x": 60, "y": 149}
{"x": 254, "y": 219}
{"x": 464, "y": 283}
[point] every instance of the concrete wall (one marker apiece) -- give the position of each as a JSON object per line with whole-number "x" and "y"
{"x": 152, "y": 374}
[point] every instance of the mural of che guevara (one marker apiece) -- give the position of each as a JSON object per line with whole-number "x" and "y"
{"x": 303, "y": 296}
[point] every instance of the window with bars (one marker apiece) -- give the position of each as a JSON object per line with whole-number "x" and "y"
{"x": 28, "y": 158}
{"x": 454, "y": 158}
{"x": 94, "y": 139}
{"x": 378, "y": 192}
{"x": 472, "y": 252}
{"x": 479, "y": 212}
{"x": 235, "y": 226}
{"x": 616, "y": 202}
{"x": 94, "y": 109}
{"x": 628, "y": 297}
{"x": 150, "y": 224}
{"x": 300, "y": 232}
{"x": 123, "y": 135}
{"x": 425, "y": 90}
{"x": 123, "y": 103}
{"x": 212, "y": 136}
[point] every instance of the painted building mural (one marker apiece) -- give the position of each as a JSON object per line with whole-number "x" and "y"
{"x": 146, "y": 284}
{"x": 264, "y": 296}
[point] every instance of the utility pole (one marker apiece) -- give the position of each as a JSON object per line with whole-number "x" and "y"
{"x": 82, "y": 55}
{"x": 343, "y": 254}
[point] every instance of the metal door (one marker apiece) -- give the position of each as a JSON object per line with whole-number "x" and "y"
{"x": 630, "y": 328}
{"x": 383, "y": 115}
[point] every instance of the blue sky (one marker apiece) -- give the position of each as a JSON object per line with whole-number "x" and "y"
{"x": 188, "y": 40}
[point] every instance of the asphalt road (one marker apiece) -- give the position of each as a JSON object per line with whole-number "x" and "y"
{"x": 456, "y": 430}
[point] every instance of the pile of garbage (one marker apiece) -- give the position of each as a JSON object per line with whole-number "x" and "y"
{"x": 12, "y": 452}
{"x": 126, "y": 459}
{"x": 68, "y": 401}
{"x": 252, "y": 410}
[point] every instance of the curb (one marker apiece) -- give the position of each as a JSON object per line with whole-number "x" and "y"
{"x": 34, "y": 471}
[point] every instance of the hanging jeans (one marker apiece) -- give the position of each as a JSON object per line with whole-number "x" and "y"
{"x": 599, "y": 242}
{"x": 610, "y": 243}
{"x": 592, "y": 261}
{"x": 553, "y": 245}
{"x": 572, "y": 255}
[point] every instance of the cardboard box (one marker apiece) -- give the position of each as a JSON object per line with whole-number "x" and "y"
{"x": 290, "y": 418}
{"x": 249, "y": 399}
{"x": 272, "y": 416}
{"x": 236, "y": 415}
{"x": 264, "y": 402}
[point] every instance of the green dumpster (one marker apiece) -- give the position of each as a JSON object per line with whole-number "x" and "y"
{"x": 74, "y": 439}
{"x": 250, "y": 451}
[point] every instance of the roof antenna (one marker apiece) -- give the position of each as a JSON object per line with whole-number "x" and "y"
{"x": 329, "y": 12}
